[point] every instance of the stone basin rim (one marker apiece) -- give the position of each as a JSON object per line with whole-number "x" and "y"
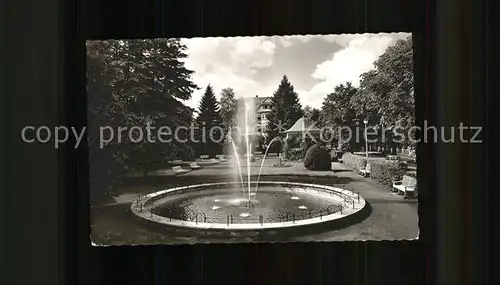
{"x": 352, "y": 202}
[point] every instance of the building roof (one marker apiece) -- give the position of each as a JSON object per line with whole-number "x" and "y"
{"x": 257, "y": 100}
{"x": 303, "y": 125}
{"x": 261, "y": 100}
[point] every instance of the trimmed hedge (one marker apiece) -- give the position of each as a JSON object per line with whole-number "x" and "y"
{"x": 382, "y": 171}
{"x": 317, "y": 158}
{"x": 353, "y": 161}
{"x": 385, "y": 172}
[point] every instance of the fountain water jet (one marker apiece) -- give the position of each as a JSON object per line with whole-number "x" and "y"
{"x": 244, "y": 115}
{"x": 247, "y": 194}
{"x": 262, "y": 163}
{"x": 180, "y": 207}
{"x": 248, "y": 145}
{"x": 239, "y": 167}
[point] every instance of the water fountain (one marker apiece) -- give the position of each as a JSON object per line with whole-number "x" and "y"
{"x": 278, "y": 204}
{"x": 263, "y": 160}
{"x": 238, "y": 165}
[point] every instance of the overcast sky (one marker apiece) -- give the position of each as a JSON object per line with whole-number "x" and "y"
{"x": 255, "y": 65}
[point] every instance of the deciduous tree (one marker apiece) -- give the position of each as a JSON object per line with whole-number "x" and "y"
{"x": 228, "y": 107}
{"x": 136, "y": 83}
{"x": 337, "y": 113}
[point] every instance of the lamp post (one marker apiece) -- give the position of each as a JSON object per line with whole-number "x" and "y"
{"x": 366, "y": 138}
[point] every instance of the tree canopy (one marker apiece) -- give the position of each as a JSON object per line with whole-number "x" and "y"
{"x": 386, "y": 92}
{"x": 228, "y": 107}
{"x": 136, "y": 83}
{"x": 209, "y": 117}
{"x": 338, "y": 111}
{"x": 385, "y": 96}
{"x": 311, "y": 113}
{"x": 286, "y": 108}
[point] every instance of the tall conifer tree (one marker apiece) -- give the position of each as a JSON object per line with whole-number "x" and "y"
{"x": 209, "y": 118}
{"x": 286, "y": 108}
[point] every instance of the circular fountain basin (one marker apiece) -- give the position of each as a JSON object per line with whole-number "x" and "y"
{"x": 226, "y": 206}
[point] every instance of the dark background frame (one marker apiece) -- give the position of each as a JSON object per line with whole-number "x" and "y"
{"x": 45, "y": 216}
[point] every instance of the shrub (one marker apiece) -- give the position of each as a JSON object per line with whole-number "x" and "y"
{"x": 282, "y": 163}
{"x": 317, "y": 158}
{"x": 385, "y": 172}
{"x": 276, "y": 146}
{"x": 335, "y": 155}
{"x": 305, "y": 144}
{"x": 293, "y": 141}
{"x": 353, "y": 161}
{"x": 412, "y": 174}
{"x": 286, "y": 147}
{"x": 294, "y": 154}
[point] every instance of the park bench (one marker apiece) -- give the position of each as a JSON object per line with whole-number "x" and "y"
{"x": 194, "y": 165}
{"x": 365, "y": 171}
{"x": 204, "y": 156}
{"x": 251, "y": 156}
{"x": 179, "y": 170}
{"x": 407, "y": 186}
{"x": 221, "y": 157}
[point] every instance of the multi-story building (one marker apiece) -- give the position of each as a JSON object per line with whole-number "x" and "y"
{"x": 262, "y": 107}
